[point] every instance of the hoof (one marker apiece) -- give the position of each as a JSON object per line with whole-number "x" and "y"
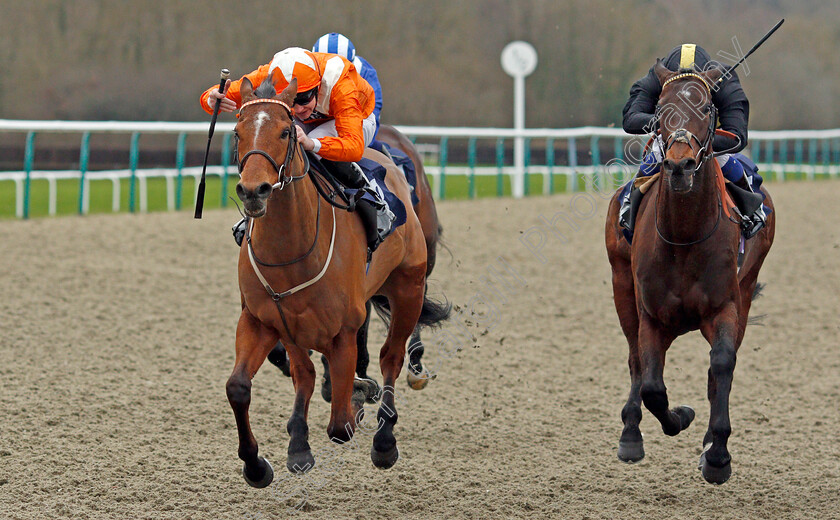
{"x": 631, "y": 451}
{"x": 419, "y": 381}
{"x": 686, "y": 415}
{"x": 713, "y": 474}
{"x": 301, "y": 462}
{"x": 386, "y": 459}
{"x": 368, "y": 388}
{"x": 268, "y": 475}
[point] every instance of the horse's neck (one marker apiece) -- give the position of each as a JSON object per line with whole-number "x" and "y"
{"x": 288, "y": 228}
{"x": 682, "y": 217}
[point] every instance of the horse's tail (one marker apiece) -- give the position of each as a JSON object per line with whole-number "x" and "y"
{"x": 757, "y": 320}
{"x": 757, "y": 291}
{"x": 434, "y": 312}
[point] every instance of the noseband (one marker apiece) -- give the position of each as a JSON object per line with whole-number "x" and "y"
{"x": 282, "y": 179}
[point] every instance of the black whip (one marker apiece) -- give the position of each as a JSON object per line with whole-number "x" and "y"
{"x": 199, "y": 200}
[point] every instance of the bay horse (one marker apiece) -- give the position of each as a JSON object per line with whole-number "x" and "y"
{"x": 681, "y": 273}
{"x": 417, "y": 375}
{"x": 303, "y": 282}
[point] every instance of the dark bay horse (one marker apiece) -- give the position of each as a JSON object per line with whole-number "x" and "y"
{"x": 681, "y": 273}
{"x": 303, "y": 282}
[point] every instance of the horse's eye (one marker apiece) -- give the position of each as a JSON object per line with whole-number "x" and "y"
{"x": 285, "y": 134}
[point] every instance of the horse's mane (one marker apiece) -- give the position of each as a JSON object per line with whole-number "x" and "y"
{"x": 266, "y": 90}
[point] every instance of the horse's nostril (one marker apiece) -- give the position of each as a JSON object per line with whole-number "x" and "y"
{"x": 240, "y": 192}
{"x": 264, "y": 190}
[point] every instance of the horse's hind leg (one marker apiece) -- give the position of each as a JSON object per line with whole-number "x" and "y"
{"x": 721, "y": 333}
{"x": 299, "y": 456}
{"x": 417, "y": 375}
{"x": 253, "y": 342}
{"x": 653, "y": 343}
{"x": 406, "y": 302}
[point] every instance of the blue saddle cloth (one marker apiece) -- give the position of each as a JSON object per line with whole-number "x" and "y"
{"x": 376, "y": 172}
{"x": 402, "y": 160}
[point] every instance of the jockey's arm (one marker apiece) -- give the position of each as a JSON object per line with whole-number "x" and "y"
{"x": 349, "y": 145}
{"x": 233, "y": 91}
{"x": 640, "y": 108}
{"x": 733, "y": 118}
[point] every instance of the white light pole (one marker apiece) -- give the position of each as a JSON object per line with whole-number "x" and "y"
{"x": 519, "y": 59}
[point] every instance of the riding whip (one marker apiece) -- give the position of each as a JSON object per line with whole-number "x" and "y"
{"x": 756, "y": 46}
{"x": 199, "y": 200}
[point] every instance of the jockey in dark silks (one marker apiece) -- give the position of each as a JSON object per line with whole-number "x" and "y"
{"x": 733, "y": 111}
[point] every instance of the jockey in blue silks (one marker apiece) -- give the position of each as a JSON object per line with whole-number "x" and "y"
{"x": 335, "y": 43}
{"x": 733, "y": 111}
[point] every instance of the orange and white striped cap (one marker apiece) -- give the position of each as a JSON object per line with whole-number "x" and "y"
{"x": 299, "y": 63}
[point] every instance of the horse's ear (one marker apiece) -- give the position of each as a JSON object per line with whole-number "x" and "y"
{"x": 662, "y": 72}
{"x": 246, "y": 90}
{"x": 713, "y": 74}
{"x": 289, "y": 93}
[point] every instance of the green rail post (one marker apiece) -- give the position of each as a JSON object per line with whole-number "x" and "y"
{"x": 826, "y": 156}
{"x": 500, "y": 163}
{"x": 618, "y": 151}
{"x": 768, "y": 154}
{"x": 798, "y": 152}
{"x": 28, "y": 160}
{"x": 444, "y": 150}
{"x": 837, "y": 151}
{"x": 812, "y": 158}
{"x": 471, "y": 162}
{"x": 549, "y": 162}
{"x": 225, "y": 165}
{"x": 84, "y": 157}
{"x": 755, "y": 151}
{"x": 526, "y": 177}
{"x": 573, "y": 164}
{"x": 597, "y": 170}
{"x": 783, "y": 156}
{"x": 134, "y": 156}
{"x": 180, "y": 156}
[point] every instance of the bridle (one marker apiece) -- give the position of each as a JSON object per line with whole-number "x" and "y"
{"x": 283, "y": 180}
{"x": 682, "y": 135}
{"x": 705, "y": 152}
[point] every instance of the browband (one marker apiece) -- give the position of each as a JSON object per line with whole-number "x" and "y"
{"x": 678, "y": 76}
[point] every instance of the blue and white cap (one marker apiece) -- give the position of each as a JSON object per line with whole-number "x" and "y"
{"x": 335, "y": 43}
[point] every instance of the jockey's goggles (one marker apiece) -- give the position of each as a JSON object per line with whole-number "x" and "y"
{"x": 305, "y": 97}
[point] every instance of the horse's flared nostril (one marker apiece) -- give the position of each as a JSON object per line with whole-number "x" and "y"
{"x": 264, "y": 190}
{"x": 240, "y": 192}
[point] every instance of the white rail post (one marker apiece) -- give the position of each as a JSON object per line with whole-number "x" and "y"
{"x": 519, "y": 59}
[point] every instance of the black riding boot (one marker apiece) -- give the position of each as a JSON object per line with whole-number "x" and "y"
{"x": 376, "y": 215}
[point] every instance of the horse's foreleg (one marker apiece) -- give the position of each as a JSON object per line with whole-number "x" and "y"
{"x": 406, "y": 305}
{"x": 253, "y": 342}
{"x": 722, "y": 335}
{"x": 630, "y": 445}
{"x": 299, "y": 456}
{"x": 653, "y": 343}
{"x": 342, "y": 363}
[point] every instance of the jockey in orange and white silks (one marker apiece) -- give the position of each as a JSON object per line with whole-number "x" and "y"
{"x": 333, "y": 110}
{"x": 334, "y": 104}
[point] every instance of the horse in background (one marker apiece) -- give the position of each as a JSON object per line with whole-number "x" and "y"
{"x": 681, "y": 273}
{"x": 303, "y": 282}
